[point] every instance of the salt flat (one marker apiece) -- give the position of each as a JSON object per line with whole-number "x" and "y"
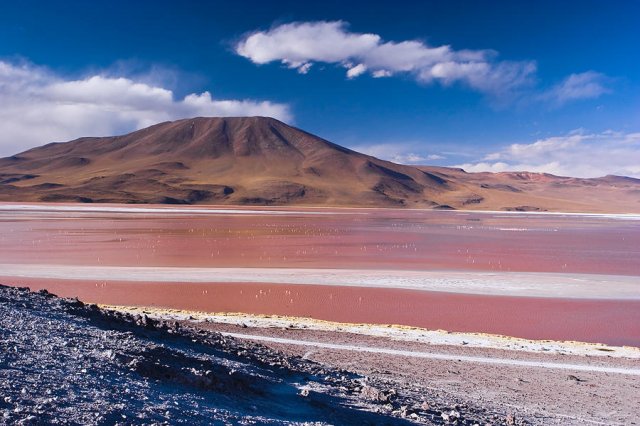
{"x": 483, "y": 283}
{"x": 172, "y": 210}
{"x": 244, "y": 210}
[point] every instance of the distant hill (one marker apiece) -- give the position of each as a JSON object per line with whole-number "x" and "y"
{"x": 526, "y": 191}
{"x": 262, "y": 161}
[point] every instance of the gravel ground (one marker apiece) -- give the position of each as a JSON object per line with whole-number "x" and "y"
{"x": 64, "y": 362}
{"x": 540, "y": 396}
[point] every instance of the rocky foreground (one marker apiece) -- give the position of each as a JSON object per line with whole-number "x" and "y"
{"x": 64, "y": 362}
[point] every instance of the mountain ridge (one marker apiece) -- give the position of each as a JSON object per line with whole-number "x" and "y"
{"x": 262, "y": 161}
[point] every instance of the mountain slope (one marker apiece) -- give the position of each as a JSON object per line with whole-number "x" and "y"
{"x": 252, "y": 160}
{"x": 262, "y": 161}
{"x": 525, "y": 191}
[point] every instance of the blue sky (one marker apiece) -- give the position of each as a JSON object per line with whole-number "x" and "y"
{"x": 544, "y": 86}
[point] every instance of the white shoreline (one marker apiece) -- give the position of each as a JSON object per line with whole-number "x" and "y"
{"x": 394, "y": 332}
{"x": 238, "y": 209}
{"x": 523, "y": 284}
{"x": 20, "y": 208}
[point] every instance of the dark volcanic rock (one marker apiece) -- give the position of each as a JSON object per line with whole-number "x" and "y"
{"x": 65, "y": 362}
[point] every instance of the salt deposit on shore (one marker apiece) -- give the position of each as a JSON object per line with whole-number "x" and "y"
{"x": 395, "y": 332}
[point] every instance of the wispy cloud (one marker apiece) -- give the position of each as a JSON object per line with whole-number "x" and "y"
{"x": 586, "y": 85}
{"x": 402, "y": 153}
{"x": 578, "y": 154}
{"x": 300, "y": 44}
{"x": 38, "y": 106}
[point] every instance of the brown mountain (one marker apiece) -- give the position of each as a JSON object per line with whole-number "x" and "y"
{"x": 252, "y": 160}
{"x": 257, "y": 160}
{"x": 526, "y": 191}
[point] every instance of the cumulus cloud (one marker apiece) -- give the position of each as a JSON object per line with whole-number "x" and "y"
{"x": 577, "y": 154}
{"x": 299, "y": 44}
{"x": 401, "y": 153}
{"x": 586, "y": 85}
{"x": 37, "y": 106}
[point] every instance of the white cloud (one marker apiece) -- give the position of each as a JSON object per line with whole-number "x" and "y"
{"x": 577, "y": 154}
{"x": 435, "y": 157}
{"x": 300, "y": 43}
{"x": 304, "y": 68}
{"x": 381, "y": 74}
{"x": 297, "y": 43}
{"x": 37, "y": 106}
{"x": 401, "y": 153}
{"x": 356, "y": 71}
{"x": 586, "y": 85}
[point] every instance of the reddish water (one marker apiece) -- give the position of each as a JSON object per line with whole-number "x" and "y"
{"x": 615, "y": 322}
{"x": 384, "y": 239}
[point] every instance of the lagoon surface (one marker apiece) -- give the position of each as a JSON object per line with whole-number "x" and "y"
{"x": 532, "y": 275}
